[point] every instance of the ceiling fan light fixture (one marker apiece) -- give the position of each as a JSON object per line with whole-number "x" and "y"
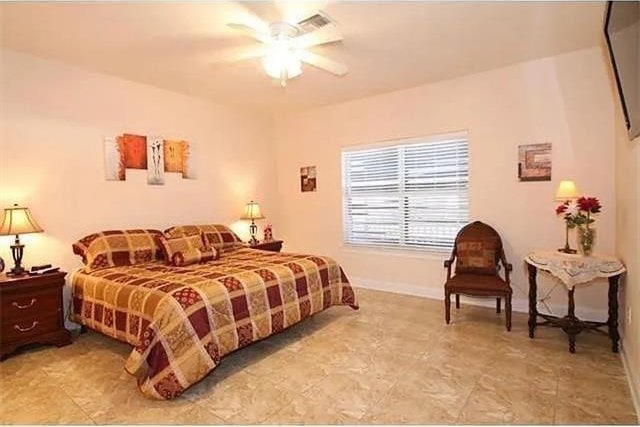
{"x": 282, "y": 60}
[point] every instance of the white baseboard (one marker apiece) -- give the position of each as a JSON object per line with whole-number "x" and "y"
{"x": 437, "y": 292}
{"x": 633, "y": 377}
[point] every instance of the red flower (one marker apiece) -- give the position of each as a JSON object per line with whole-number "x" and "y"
{"x": 561, "y": 209}
{"x": 589, "y": 204}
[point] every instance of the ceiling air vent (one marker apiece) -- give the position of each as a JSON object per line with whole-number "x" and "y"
{"x": 314, "y": 22}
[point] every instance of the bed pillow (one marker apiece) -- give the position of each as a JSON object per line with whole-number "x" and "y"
{"x": 178, "y": 250}
{"x": 217, "y": 236}
{"x": 194, "y": 256}
{"x": 113, "y": 248}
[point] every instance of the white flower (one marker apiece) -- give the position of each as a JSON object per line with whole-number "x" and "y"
{"x": 572, "y": 209}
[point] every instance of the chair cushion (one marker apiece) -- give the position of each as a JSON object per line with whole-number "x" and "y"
{"x": 476, "y": 256}
{"x": 477, "y": 282}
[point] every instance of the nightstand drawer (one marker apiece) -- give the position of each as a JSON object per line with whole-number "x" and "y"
{"x": 14, "y": 306}
{"x": 26, "y": 327}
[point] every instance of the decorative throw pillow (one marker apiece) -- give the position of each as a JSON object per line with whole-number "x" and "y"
{"x": 476, "y": 257}
{"x": 217, "y": 236}
{"x": 194, "y": 256}
{"x": 171, "y": 246}
{"x": 114, "y": 248}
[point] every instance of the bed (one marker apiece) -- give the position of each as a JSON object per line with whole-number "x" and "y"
{"x": 182, "y": 321}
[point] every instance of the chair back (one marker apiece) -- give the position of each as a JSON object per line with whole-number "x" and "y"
{"x": 478, "y": 249}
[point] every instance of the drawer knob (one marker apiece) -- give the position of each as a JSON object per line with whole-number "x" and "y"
{"x": 27, "y": 329}
{"x": 22, "y": 307}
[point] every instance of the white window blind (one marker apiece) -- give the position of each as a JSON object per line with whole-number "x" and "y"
{"x": 409, "y": 195}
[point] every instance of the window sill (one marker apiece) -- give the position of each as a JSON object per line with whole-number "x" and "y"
{"x": 424, "y": 254}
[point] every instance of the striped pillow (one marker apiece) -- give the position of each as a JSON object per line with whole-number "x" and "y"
{"x": 194, "y": 256}
{"x": 187, "y": 250}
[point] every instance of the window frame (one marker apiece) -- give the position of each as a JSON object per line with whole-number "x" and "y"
{"x": 402, "y": 246}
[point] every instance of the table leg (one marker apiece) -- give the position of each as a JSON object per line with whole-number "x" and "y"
{"x": 571, "y": 320}
{"x": 533, "y": 290}
{"x": 613, "y": 313}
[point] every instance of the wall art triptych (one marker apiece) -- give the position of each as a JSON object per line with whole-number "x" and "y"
{"x": 153, "y": 153}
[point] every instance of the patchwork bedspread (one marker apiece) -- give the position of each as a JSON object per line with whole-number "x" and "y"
{"x": 183, "y": 320}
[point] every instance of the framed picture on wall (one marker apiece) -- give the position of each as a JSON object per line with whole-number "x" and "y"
{"x": 308, "y": 179}
{"x": 534, "y": 162}
{"x": 155, "y": 160}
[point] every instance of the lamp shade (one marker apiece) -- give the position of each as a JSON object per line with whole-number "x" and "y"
{"x": 18, "y": 220}
{"x": 567, "y": 190}
{"x": 252, "y": 211}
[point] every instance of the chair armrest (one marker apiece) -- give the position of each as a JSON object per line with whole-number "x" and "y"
{"x": 447, "y": 265}
{"x": 508, "y": 268}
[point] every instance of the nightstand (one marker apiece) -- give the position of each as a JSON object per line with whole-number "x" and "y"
{"x": 271, "y": 245}
{"x": 31, "y": 311}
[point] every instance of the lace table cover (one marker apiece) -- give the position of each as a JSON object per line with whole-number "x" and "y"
{"x": 573, "y": 269}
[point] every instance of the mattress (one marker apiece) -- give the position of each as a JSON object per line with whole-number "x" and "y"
{"x": 181, "y": 321}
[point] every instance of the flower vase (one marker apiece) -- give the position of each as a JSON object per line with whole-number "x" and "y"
{"x": 586, "y": 240}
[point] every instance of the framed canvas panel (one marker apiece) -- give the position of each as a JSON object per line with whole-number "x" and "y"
{"x": 155, "y": 160}
{"x": 308, "y": 179}
{"x": 173, "y": 156}
{"x": 135, "y": 147}
{"x": 114, "y": 161}
{"x": 534, "y": 162}
{"x": 188, "y": 161}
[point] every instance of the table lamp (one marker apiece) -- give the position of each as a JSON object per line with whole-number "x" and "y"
{"x": 18, "y": 220}
{"x": 252, "y": 212}
{"x": 567, "y": 191}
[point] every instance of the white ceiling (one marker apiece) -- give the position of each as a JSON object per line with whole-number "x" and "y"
{"x": 387, "y": 45}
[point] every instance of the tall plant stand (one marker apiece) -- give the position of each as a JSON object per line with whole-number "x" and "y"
{"x": 574, "y": 270}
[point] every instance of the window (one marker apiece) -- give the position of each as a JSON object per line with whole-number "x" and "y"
{"x": 413, "y": 194}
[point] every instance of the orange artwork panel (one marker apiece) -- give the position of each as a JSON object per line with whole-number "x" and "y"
{"x": 135, "y": 148}
{"x": 173, "y": 156}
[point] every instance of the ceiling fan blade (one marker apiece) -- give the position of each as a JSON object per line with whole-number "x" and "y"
{"x": 252, "y": 32}
{"x": 324, "y": 63}
{"x": 327, "y": 34}
{"x": 239, "y": 54}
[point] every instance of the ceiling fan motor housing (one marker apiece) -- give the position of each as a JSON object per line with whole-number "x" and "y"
{"x": 283, "y": 31}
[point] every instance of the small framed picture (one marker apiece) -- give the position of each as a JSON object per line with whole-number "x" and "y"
{"x": 534, "y": 162}
{"x": 308, "y": 179}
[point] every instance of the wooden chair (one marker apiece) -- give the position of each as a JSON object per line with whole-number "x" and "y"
{"x": 477, "y": 252}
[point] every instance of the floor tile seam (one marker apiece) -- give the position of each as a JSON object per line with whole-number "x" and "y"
{"x": 556, "y": 400}
{"x": 466, "y": 400}
{"x": 69, "y": 397}
{"x": 197, "y": 403}
{"x": 384, "y": 396}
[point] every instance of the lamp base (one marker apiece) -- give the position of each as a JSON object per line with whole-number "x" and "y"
{"x": 253, "y": 229}
{"x": 17, "y": 271}
{"x": 17, "y": 250}
{"x": 568, "y": 250}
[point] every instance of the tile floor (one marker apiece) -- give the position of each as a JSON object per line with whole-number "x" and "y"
{"x": 393, "y": 361}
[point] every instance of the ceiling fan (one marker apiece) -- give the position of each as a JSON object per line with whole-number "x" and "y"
{"x": 284, "y": 46}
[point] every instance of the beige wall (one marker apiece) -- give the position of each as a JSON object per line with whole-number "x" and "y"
{"x": 564, "y": 100}
{"x": 51, "y": 159}
{"x": 627, "y": 179}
